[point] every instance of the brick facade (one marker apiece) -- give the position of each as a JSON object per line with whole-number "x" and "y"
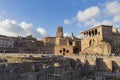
{"x": 101, "y": 40}
{"x": 66, "y": 45}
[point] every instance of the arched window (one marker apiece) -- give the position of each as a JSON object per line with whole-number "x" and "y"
{"x": 95, "y": 31}
{"x": 60, "y": 51}
{"x": 87, "y": 34}
{"x": 63, "y": 49}
{"x": 90, "y": 33}
{"x": 70, "y": 43}
{"x": 67, "y": 51}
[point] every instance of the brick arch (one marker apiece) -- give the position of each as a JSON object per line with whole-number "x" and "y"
{"x": 91, "y": 42}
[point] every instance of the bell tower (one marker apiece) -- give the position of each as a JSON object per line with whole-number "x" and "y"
{"x": 59, "y": 32}
{"x": 59, "y": 35}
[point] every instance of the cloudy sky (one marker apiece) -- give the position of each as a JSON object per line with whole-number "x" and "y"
{"x": 41, "y": 18}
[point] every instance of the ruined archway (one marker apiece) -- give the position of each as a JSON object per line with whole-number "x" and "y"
{"x": 91, "y": 42}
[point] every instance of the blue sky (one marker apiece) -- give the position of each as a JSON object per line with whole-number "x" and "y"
{"x": 41, "y": 17}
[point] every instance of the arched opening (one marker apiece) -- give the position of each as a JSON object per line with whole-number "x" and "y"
{"x": 60, "y": 51}
{"x": 90, "y": 33}
{"x": 84, "y": 35}
{"x": 67, "y": 51}
{"x": 63, "y": 49}
{"x": 91, "y": 42}
{"x": 63, "y": 54}
{"x": 87, "y": 34}
{"x": 75, "y": 50}
{"x": 96, "y": 32}
{"x": 70, "y": 43}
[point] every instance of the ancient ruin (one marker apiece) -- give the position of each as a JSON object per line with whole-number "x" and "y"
{"x": 94, "y": 56}
{"x": 101, "y": 40}
{"x": 66, "y": 45}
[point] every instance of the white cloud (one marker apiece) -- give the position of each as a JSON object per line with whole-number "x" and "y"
{"x": 106, "y": 22}
{"x": 25, "y": 25}
{"x": 89, "y": 17}
{"x": 66, "y": 21}
{"x": 90, "y": 22}
{"x": 12, "y": 28}
{"x": 42, "y": 31}
{"x": 67, "y": 34}
{"x": 113, "y": 8}
{"x": 116, "y": 18}
{"x": 87, "y": 14}
{"x": 102, "y": 14}
{"x": 78, "y": 36}
{"x": 94, "y": 23}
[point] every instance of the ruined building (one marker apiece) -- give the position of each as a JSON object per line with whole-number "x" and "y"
{"x": 66, "y": 45}
{"x": 27, "y": 44}
{"x": 101, "y": 40}
{"x": 47, "y": 45}
{"x": 6, "y": 44}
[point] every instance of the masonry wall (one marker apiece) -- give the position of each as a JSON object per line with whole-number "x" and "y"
{"x": 102, "y": 41}
{"x": 87, "y": 38}
{"x": 107, "y": 32}
{"x": 64, "y": 50}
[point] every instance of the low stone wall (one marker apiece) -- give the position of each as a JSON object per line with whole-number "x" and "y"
{"x": 99, "y": 63}
{"x": 2, "y": 55}
{"x": 8, "y": 73}
{"x": 67, "y": 65}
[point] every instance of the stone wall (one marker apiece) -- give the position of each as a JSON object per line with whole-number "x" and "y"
{"x": 103, "y": 48}
{"x": 101, "y": 40}
{"x": 8, "y": 73}
{"x": 61, "y": 68}
{"x": 64, "y": 50}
